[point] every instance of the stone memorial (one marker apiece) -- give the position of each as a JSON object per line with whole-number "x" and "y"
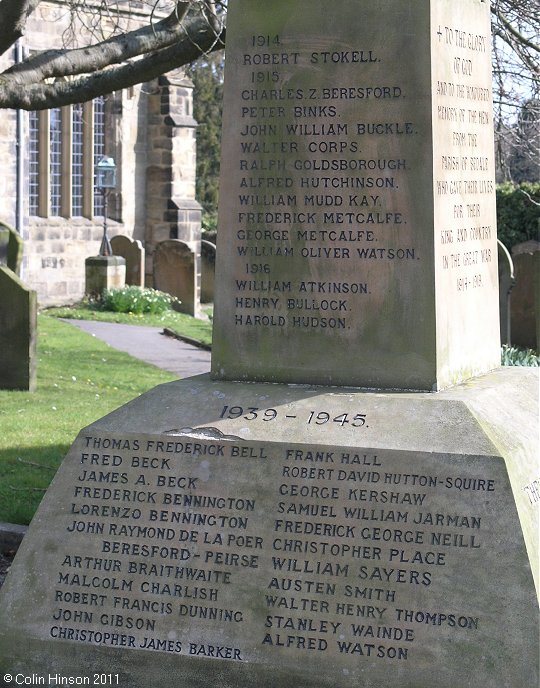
{"x": 507, "y": 282}
{"x": 11, "y": 248}
{"x": 133, "y": 253}
{"x": 224, "y": 531}
{"x": 102, "y": 273}
{"x": 360, "y": 203}
{"x": 208, "y": 271}
{"x": 525, "y": 312}
{"x": 175, "y": 272}
{"x": 18, "y": 325}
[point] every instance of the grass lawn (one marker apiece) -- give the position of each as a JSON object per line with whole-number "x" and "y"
{"x": 80, "y": 379}
{"x": 180, "y": 323}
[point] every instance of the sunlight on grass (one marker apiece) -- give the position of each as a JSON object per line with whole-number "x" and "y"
{"x": 180, "y": 323}
{"x": 80, "y": 379}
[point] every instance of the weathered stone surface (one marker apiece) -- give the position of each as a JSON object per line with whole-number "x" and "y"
{"x": 357, "y": 210}
{"x": 11, "y": 248}
{"x": 133, "y": 120}
{"x": 525, "y": 297}
{"x": 104, "y": 272}
{"x": 11, "y": 536}
{"x": 173, "y": 212}
{"x": 4, "y": 240}
{"x": 175, "y": 272}
{"x": 133, "y": 252}
{"x": 221, "y": 533}
{"x": 304, "y": 532}
{"x": 18, "y": 323}
{"x": 506, "y": 285}
{"x": 208, "y": 271}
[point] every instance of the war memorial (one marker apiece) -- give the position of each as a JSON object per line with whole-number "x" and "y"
{"x": 351, "y": 497}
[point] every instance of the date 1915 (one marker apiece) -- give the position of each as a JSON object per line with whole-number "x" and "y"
{"x": 355, "y": 420}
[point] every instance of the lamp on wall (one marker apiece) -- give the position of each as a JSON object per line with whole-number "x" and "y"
{"x": 105, "y": 181}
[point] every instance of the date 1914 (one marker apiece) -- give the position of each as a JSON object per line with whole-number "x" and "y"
{"x": 358, "y": 420}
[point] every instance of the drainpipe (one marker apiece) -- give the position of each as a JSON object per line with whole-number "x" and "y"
{"x": 508, "y": 293}
{"x": 20, "y": 148}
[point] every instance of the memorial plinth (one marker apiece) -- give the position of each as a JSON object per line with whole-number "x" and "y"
{"x": 104, "y": 272}
{"x": 278, "y": 532}
{"x": 259, "y": 535}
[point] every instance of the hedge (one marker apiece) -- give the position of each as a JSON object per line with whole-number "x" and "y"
{"x": 518, "y": 218}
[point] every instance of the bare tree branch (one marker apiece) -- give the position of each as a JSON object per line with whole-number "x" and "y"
{"x": 198, "y": 37}
{"x": 65, "y": 63}
{"x": 13, "y": 16}
{"x": 514, "y": 32}
{"x": 531, "y": 199}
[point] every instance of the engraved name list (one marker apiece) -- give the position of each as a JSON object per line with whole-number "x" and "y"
{"x": 345, "y": 551}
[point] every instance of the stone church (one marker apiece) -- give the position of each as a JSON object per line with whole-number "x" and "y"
{"x": 48, "y": 161}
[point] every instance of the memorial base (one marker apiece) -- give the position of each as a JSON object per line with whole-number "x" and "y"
{"x": 104, "y": 272}
{"x": 226, "y": 534}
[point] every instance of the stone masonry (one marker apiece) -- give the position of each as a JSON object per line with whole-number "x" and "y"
{"x": 150, "y": 133}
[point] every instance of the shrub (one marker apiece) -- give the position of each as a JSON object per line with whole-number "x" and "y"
{"x": 209, "y": 226}
{"x": 517, "y": 213}
{"x": 512, "y": 356}
{"x": 137, "y": 300}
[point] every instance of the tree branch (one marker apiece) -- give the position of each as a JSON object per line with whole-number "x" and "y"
{"x": 198, "y": 37}
{"x": 514, "y": 32}
{"x": 531, "y": 199}
{"x": 65, "y": 63}
{"x": 13, "y": 16}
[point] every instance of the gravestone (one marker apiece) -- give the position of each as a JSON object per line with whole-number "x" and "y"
{"x": 208, "y": 271}
{"x": 133, "y": 252}
{"x": 175, "y": 267}
{"x": 525, "y": 312}
{"x": 18, "y": 324}
{"x": 218, "y": 532}
{"x": 506, "y": 285}
{"x": 11, "y": 248}
{"x": 4, "y": 242}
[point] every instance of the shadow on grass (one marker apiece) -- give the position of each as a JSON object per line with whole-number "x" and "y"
{"x": 25, "y": 474}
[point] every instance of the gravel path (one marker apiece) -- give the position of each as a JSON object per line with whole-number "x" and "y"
{"x": 150, "y": 345}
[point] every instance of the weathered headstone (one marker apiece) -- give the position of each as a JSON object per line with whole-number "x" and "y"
{"x": 18, "y": 324}
{"x": 506, "y": 285}
{"x": 133, "y": 252}
{"x": 4, "y": 241}
{"x": 208, "y": 271}
{"x": 214, "y": 532}
{"x": 175, "y": 269}
{"x": 525, "y": 311}
{"x": 11, "y": 248}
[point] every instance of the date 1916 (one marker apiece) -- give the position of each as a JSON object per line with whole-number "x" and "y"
{"x": 358, "y": 420}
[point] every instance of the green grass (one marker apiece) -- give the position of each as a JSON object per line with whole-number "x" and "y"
{"x": 180, "y": 323}
{"x": 80, "y": 379}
